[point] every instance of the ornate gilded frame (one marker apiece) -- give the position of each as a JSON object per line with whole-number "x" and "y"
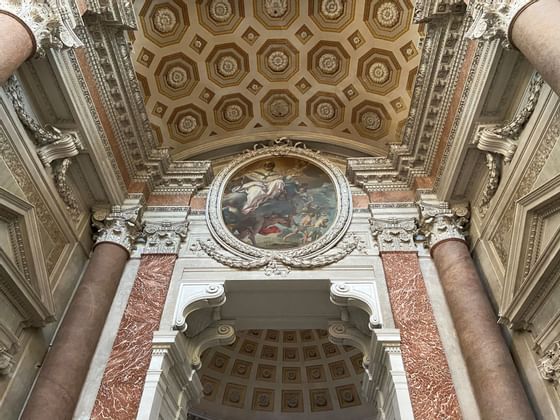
{"x": 279, "y": 148}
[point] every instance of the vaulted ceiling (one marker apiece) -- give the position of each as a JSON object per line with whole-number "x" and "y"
{"x": 217, "y": 73}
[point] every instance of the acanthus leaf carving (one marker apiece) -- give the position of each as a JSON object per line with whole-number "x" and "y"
{"x": 394, "y": 234}
{"x": 47, "y": 21}
{"x": 164, "y": 237}
{"x": 121, "y": 226}
{"x": 439, "y": 223}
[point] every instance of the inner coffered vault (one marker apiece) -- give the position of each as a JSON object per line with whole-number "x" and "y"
{"x": 218, "y": 72}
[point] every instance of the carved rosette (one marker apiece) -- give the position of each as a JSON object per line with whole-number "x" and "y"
{"x": 493, "y": 19}
{"x": 164, "y": 237}
{"x": 120, "y": 226}
{"x": 45, "y": 20}
{"x": 439, "y": 223}
{"x": 394, "y": 235}
{"x": 315, "y": 254}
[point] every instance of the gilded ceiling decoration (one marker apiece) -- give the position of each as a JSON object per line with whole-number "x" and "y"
{"x": 281, "y": 373}
{"x": 219, "y": 72}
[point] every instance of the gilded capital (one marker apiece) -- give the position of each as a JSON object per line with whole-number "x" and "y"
{"x": 47, "y": 21}
{"x": 121, "y": 226}
{"x": 164, "y": 237}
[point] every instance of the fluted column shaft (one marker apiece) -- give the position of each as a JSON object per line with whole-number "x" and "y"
{"x": 535, "y": 33}
{"x": 64, "y": 370}
{"x": 495, "y": 381}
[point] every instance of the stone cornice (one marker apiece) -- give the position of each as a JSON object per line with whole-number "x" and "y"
{"x": 443, "y": 54}
{"x": 48, "y": 22}
{"x": 122, "y": 100}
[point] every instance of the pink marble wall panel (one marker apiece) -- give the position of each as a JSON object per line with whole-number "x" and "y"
{"x": 123, "y": 379}
{"x": 429, "y": 381}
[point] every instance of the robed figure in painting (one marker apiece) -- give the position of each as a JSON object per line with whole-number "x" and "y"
{"x": 279, "y": 204}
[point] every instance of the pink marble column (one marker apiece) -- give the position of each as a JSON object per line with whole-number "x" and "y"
{"x": 429, "y": 381}
{"x": 495, "y": 381}
{"x": 535, "y": 32}
{"x": 64, "y": 370}
{"x": 123, "y": 379}
{"x": 17, "y": 44}
{"x": 60, "y": 380}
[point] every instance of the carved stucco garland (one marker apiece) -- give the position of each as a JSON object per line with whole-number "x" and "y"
{"x": 500, "y": 142}
{"x": 274, "y": 263}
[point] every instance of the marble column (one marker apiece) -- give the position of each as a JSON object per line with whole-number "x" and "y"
{"x": 65, "y": 367}
{"x": 28, "y": 28}
{"x": 496, "y": 384}
{"x": 431, "y": 388}
{"x": 528, "y": 25}
{"x": 123, "y": 380}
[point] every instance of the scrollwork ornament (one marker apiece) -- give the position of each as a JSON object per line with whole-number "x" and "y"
{"x": 303, "y": 257}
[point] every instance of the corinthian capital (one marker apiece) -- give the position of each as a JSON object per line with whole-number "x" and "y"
{"x": 394, "y": 234}
{"x": 439, "y": 223}
{"x": 164, "y": 237}
{"x": 493, "y": 19}
{"x": 47, "y": 21}
{"x": 121, "y": 226}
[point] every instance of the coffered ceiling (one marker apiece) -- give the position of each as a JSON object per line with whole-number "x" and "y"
{"x": 217, "y": 73}
{"x": 282, "y": 374}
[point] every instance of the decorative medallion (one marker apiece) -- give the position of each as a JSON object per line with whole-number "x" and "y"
{"x": 332, "y": 9}
{"x": 164, "y": 20}
{"x": 276, "y": 8}
{"x": 326, "y": 111}
{"x": 378, "y": 72}
{"x": 227, "y": 66}
{"x": 187, "y": 124}
{"x": 370, "y": 120}
{"x": 279, "y": 108}
{"x": 388, "y": 14}
{"x": 328, "y": 63}
{"x": 220, "y": 10}
{"x": 233, "y": 113}
{"x": 279, "y": 205}
{"x": 176, "y": 77}
{"x": 278, "y": 61}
